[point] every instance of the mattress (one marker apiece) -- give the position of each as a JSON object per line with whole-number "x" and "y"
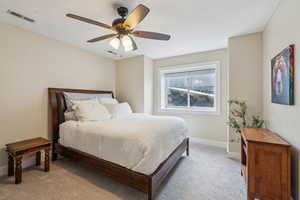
{"x": 139, "y": 142}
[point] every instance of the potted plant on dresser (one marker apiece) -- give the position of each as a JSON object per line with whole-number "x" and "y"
{"x": 238, "y": 118}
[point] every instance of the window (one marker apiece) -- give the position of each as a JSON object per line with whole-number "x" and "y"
{"x": 190, "y": 88}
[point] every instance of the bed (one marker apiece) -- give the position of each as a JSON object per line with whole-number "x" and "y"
{"x": 141, "y": 163}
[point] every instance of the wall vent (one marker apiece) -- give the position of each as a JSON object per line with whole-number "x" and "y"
{"x": 15, "y": 14}
{"x": 114, "y": 53}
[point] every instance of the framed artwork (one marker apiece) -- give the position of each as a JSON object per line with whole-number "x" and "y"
{"x": 283, "y": 77}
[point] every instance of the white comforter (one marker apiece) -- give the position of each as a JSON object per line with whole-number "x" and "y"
{"x": 139, "y": 142}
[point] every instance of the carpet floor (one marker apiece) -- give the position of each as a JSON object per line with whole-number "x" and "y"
{"x": 207, "y": 174}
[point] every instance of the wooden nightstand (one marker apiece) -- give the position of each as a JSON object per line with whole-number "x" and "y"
{"x": 17, "y": 150}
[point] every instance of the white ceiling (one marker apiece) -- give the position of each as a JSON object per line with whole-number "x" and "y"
{"x": 194, "y": 25}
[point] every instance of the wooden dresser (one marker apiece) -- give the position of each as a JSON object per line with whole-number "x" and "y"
{"x": 266, "y": 165}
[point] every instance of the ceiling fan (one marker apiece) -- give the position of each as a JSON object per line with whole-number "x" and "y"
{"x": 124, "y": 28}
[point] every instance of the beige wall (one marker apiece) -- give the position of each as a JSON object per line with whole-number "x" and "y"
{"x": 244, "y": 61}
{"x": 282, "y": 30}
{"x": 130, "y": 82}
{"x": 148, "y": 85}
{"x": 202, "y": 126}
{"x": 134, "y": 83}
{"x": 29, "y": 64}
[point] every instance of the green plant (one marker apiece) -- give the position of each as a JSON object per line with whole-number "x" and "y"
{"x": 238, "y": 117}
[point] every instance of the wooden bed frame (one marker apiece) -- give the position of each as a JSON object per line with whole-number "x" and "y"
{"x": 148, "y": 184}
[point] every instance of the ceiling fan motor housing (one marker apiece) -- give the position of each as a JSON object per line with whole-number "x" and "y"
{"x": 118, "y": 21}
{"x": 123, "y": 12}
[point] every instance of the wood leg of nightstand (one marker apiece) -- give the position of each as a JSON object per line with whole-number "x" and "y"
{"x": 38, "y": 158}
{"x": 18, "y": 178}
{"x": 11, "y": 163}
{"x": 47, "y": 161}
{"x": 54, "y": 156}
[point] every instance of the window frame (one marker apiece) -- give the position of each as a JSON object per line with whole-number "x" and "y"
{"x": 161, "y": 96}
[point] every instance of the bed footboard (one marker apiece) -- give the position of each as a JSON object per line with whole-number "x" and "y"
{"x": 148, "y": 184}
{"x": 166, "y": 167}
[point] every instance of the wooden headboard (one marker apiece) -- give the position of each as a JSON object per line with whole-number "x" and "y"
{"x": 58, "y": 106}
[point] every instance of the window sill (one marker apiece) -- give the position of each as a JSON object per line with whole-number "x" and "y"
{"x": 186, "y": 111}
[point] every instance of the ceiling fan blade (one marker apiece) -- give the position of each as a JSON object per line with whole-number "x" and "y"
{"x": 90, "y": 21}
{"x": 133, "y": 43}
{"x": 136, "y": 16}
{"x": 151, "y": 35}
{"x": 103, "y": 37}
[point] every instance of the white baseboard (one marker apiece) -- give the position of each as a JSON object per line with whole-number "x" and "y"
{"x": 234, "y": 155}
{"x": 26, "y": 162}
{"x": 209, "y": 142}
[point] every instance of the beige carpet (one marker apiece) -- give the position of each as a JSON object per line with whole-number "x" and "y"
{"x": 206, "y": 175}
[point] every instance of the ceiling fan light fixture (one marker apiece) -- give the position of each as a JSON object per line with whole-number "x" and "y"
{"x": 128, "y": 48}
{"x": 115, "y": 43}
{"x": 127, "y": 43}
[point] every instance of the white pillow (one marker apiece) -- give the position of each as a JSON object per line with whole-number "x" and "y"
{"x": 119, "y": 110}
{"x": 108, "y": 101}
{"x": 70, "y": 116}
{"x": 90, "y": 110}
